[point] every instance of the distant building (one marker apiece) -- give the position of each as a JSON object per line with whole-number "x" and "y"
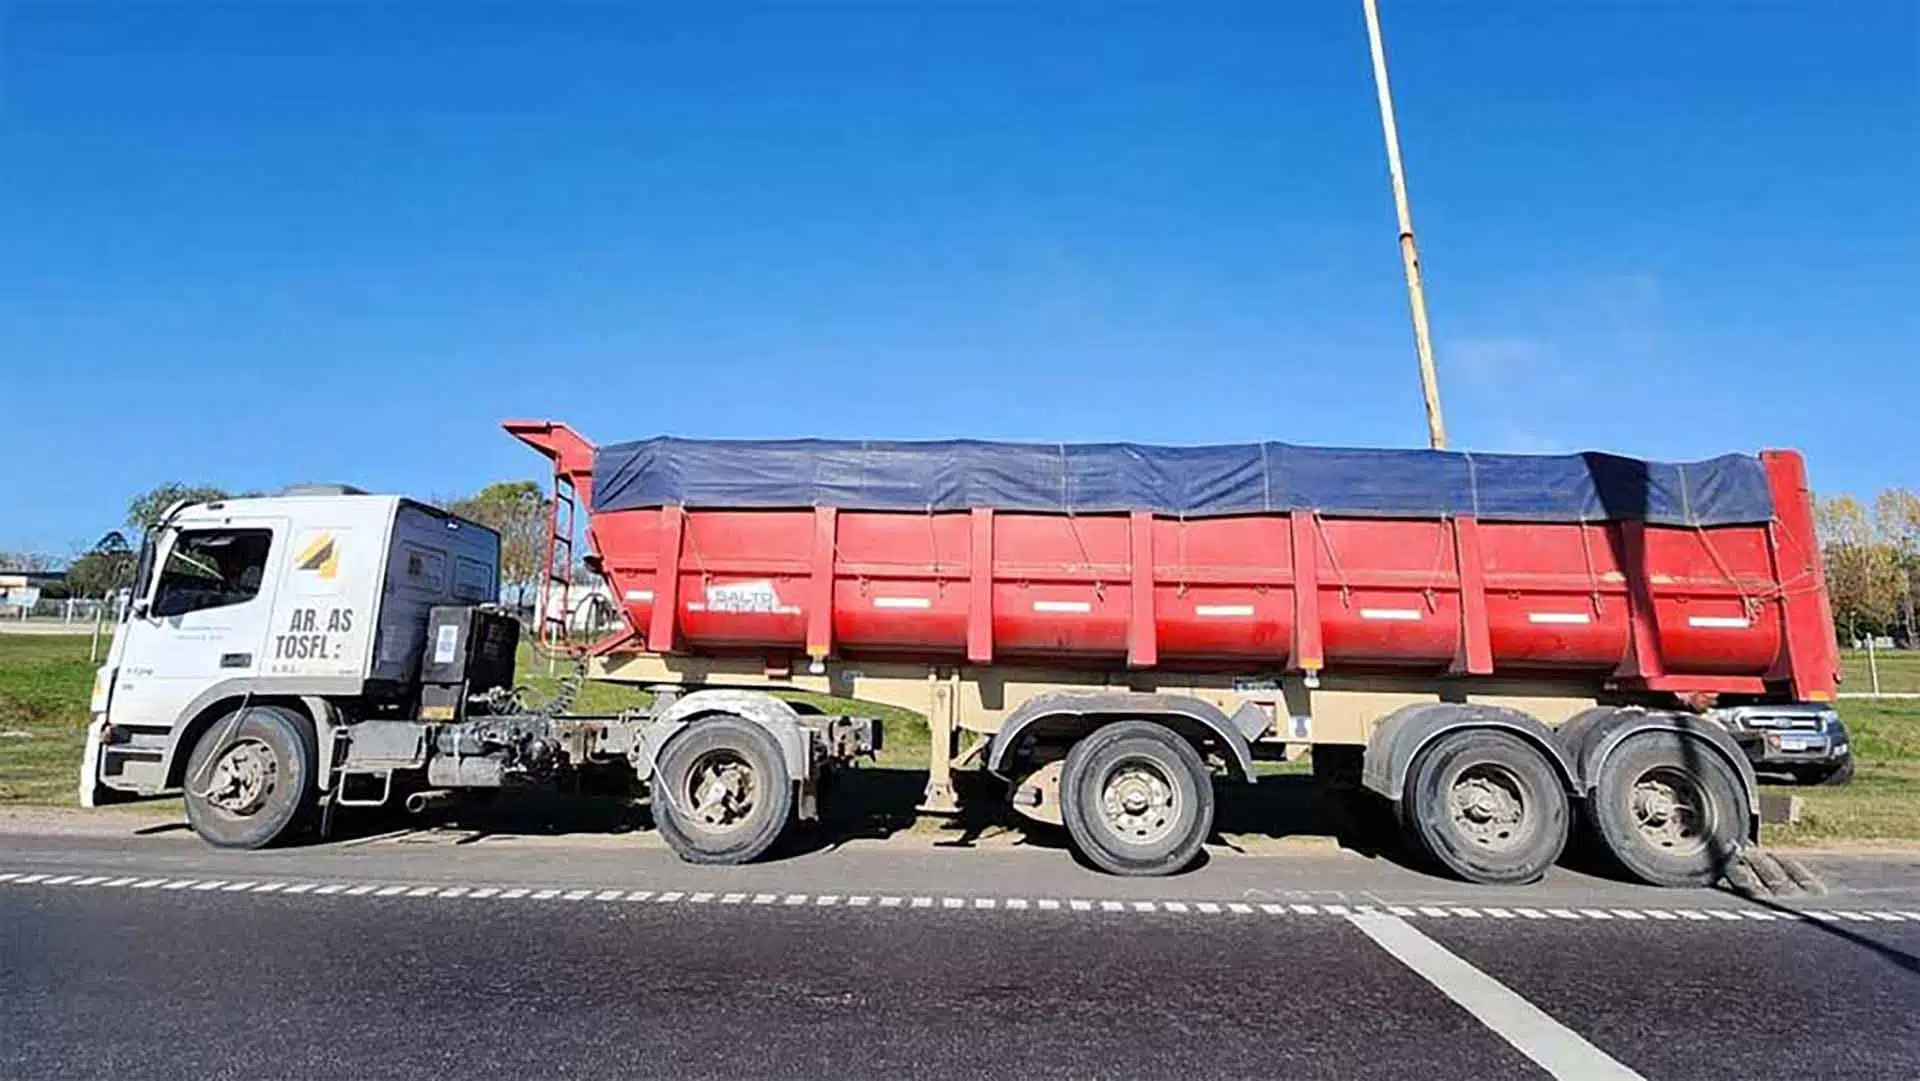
{"x": 22, "y": 589}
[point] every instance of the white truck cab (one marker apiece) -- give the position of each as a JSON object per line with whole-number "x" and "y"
{"x": 326, "y": 648}
{"x": 306, "y": 600}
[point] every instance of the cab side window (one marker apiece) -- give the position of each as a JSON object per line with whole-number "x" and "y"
{"x": 212, "y": 568}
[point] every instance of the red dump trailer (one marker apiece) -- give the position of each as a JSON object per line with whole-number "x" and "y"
{"x": 1487, "y": 641}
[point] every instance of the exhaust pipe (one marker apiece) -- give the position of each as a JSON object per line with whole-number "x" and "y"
{"x": 432, "y": 797}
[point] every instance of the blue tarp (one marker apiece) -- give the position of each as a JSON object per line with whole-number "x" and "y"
{"x": 1246, "y": 478}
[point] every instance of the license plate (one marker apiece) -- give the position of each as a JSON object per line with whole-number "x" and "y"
{"x": 1798, "y": 743}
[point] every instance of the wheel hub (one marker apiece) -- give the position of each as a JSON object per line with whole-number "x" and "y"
{"x": 1487, "y": 805}
{"x": 1138, "y": 802}
{"x": 721, "y": 790}
{"x": 1666, "y": 808}
{"x": 242, "y": 778}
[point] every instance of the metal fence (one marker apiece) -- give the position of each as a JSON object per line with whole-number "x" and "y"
{"x": 80, "y": 612}
{"x": 1878, "y": 672}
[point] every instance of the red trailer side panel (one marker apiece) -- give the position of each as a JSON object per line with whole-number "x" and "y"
{"x": 1738, "y": 608}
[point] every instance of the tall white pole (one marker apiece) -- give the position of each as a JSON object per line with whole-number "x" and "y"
{"x": 1409, "y": 253}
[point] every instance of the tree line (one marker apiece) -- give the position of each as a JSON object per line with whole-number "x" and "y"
{"x": 1872, "y": 555}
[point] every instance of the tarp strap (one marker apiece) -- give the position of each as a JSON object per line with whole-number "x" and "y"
{"x": 1593, "y": 575}
{"x": 1749, "y": 604}
{"x": 933, "y": 542}
{"x": 693, "y": 549}
{"x": 1440, "y": 537}
{"x": 1333, "y": 560}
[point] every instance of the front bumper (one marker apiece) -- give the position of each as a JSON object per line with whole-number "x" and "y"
{"x": 1789, "y": 748}
{"x": 1787, "y": 736}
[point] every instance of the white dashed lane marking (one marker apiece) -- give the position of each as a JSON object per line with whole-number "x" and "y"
{"x": 1190, "y": 908}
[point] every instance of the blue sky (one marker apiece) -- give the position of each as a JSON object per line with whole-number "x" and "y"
{"x": 253, "y": 244}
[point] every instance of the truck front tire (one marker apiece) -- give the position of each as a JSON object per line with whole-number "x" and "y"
{"x": 1137, "y": 799}
{"x": 1670, "y": 810}
{"x": 1487, "y": 806}
{"x": 721, "y": 792}
{"x": 250, "y": 779}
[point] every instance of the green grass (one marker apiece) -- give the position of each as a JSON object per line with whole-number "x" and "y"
{"x": 45, "y": 682}
{"x": 1883, "y": 801}
{"x": 1899, "y": 671}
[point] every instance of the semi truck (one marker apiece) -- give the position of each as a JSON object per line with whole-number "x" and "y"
{"x": 1503, "y": 649}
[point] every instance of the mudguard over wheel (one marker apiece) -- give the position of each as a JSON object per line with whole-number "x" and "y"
{"x": 1670, "y": 810}
{"x": 721, "y": 792}
{"x": 1487, "y": 806}
{"x": 1136, "y": 799}
{"x": 250, "y": 780}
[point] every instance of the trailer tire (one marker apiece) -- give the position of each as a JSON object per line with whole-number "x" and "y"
{"x": 1136, "y": 799}
{"x": 721, "y": 793}
{"x": 1487, "y": 806}
{"x": 250, "y": 779}
{"x": 1669, "y": 809}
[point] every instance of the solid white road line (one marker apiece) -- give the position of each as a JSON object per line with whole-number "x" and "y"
{"x": 1556, "y": 1048}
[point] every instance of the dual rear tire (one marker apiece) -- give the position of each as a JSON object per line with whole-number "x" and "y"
{"x": 1487, "y": 806}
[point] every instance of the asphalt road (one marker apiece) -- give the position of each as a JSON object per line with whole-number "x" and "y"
{"x": 409, "y": 957}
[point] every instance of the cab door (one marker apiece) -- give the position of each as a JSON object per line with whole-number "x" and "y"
{"x": 205, "y": 621}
